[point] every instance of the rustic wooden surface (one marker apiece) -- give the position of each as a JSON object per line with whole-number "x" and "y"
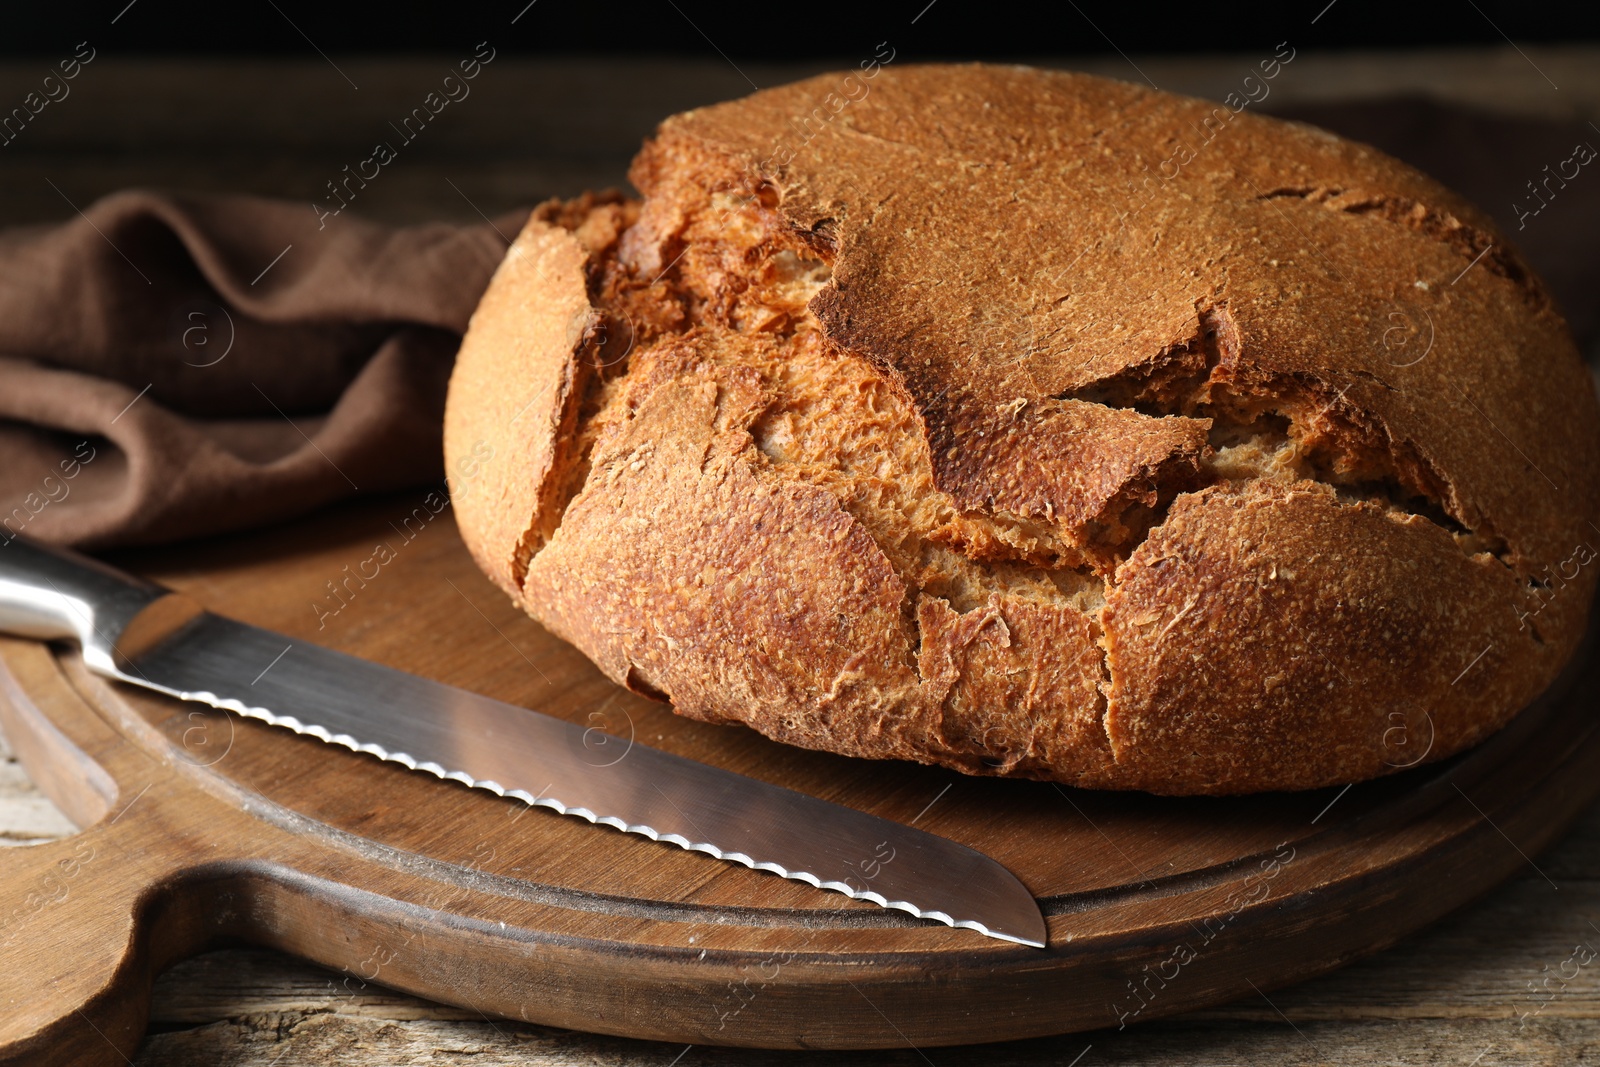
{"x": 186, "y": 818}
{"x": 1493, "y": 984}
{"x": 1442, "y": 996}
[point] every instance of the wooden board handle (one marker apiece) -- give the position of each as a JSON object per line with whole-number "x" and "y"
{"x": 66, "y": 968}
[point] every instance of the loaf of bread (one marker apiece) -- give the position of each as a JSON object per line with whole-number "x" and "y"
{"x": 1035, "y": 424}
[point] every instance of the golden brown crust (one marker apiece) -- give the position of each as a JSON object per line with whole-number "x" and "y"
{"x": 510, "y": 449}
{"x": 1031, "y": 423}
{"x": 1268, "y": 624}
{"x": 684, "y": 568}
{"x": 503, "y": 443}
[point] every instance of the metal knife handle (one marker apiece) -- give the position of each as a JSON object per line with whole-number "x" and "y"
{"x": 53, "y": 593}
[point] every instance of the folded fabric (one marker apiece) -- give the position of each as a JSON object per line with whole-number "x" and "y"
{"x": 173, "y": 365}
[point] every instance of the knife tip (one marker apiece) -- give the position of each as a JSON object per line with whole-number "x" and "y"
{"x": 1032, "y": 932}
{"x": 1016, "y": 939}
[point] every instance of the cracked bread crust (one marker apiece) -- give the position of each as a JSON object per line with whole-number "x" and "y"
{"x": 970, "y": 430}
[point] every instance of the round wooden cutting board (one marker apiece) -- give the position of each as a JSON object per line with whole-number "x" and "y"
{"x": 204, "y": 830}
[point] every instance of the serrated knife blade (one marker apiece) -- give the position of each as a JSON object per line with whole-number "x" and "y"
{"x": 144, "y": 635}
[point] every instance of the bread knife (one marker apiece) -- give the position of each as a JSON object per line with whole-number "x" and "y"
{"x": 145, "y": 635}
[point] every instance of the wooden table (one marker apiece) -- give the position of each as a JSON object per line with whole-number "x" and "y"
{"x": 1496, "y": 983}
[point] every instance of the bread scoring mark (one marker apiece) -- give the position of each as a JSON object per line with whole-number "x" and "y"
{"x": 572, "y": 367}
{"x": 1287, "y": 428}
{"x": 1469, "y": 242}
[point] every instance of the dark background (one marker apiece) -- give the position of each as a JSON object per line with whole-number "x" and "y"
{"x": 276, "y": 97}
{"x": 973, "y": 29}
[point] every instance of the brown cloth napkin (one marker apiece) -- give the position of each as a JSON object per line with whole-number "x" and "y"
{"x": 174, "y": 365}
{"x": 178, "y": 365}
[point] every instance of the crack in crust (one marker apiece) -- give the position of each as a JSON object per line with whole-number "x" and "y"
{"x": 1474, "y": 245}
{"x": 793, "y": 504}
{"x": 823, "y": 417}
{"x": 1287, "y": 428}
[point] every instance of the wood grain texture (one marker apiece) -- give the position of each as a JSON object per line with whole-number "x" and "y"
{"x": 206, "y": 831}
{"x": 1439, "y": 997}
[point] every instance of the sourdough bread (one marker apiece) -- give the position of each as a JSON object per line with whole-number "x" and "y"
{"x": 1032, "y": 423}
